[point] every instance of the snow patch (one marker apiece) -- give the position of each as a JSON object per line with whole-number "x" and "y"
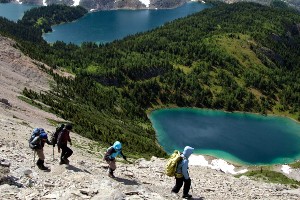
{"x": 217, "y": 164}
{"x": 198, "y": 1}
{"x": 76, "y": 2}
{"x": 145, "y": 2}
{"x": 286, "y": 169}
{"x": 44, "y": 3}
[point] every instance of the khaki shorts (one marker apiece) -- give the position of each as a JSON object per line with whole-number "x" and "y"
{"x": 40, "y": 153}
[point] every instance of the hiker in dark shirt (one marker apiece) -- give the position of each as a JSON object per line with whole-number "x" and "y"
{"x": 37, "y": 144}
{"x": 62, "y": 143}
{"x": 182, "y": 174}
{"x": 110, "y": 157}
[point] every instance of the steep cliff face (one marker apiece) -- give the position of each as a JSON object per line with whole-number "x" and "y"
{"x": 36, "y": 2}
{"x": 112, "y": 4}
{"x": 136, "y": 4}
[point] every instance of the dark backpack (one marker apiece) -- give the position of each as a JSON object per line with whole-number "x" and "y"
{"x": 35, "y": 132}
{"x": 54, "y": 136}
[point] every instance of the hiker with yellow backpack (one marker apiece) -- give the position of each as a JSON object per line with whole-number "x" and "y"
{"x": 179, "y": 162}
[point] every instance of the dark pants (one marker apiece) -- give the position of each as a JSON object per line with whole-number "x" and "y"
{"x": 179, "y": 183}
{"x": 40, "y": 162}
{"x": 66, "y": 152}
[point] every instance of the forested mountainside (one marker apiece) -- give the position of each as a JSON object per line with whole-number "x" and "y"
{"x": 43, "y": 18}
{"x": 234, "y": 57}
{"x": 291, "y": 3}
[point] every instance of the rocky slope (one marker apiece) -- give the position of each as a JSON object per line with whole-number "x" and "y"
{"x": 86, "y": 176}
{"x": 93, "y": 5}
{"x": 112, "y": 4}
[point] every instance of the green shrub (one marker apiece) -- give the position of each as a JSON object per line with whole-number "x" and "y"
{"x": 271, "y": 176}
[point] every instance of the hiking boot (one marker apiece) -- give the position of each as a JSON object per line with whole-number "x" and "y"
{"x": 62, "y": 162}
{"x": 110, "y": 173}
{"x": 66, "y": 161}
{"x": 42, "y": 167}
{"x": 187, "y": 196}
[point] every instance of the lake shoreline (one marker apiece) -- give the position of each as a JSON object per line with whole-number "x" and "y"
{"x": 149, "y": 111}
{"x": 106, "y": 26}
{"x": 224, "y": 155}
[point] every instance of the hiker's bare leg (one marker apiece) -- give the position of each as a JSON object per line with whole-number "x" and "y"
{"x": 112, "y": 167}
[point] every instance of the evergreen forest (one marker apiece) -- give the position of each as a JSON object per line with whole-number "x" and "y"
{"x": 233, "y": 57}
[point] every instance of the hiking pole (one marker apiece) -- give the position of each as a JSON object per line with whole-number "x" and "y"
{"x": 34, "y": 158}
{"x": 53, "y": 152}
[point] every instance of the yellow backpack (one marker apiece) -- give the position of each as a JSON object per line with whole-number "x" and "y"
{"x": 171, "y": 166}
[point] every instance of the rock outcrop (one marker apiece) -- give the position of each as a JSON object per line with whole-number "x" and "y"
{"x": 4, "y": 170}
{"x": 93, "y": 5}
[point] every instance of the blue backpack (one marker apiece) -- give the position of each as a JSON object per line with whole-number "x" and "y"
{"x": 35, "y": 132}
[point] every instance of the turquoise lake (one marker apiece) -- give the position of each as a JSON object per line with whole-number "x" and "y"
{"x": 249, "y": 139}
{"x": 14, "y": 11}
{"x": 106, "y": 26}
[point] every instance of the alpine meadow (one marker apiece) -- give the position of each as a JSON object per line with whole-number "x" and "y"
{"x": 233, "y": 57}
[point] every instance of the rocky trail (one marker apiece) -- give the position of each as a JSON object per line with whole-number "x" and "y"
{"x": 86, "y": 176}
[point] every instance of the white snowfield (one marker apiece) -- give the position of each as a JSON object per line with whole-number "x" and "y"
{"x": 217, "y": 164}
{"x": 146, "y": 2}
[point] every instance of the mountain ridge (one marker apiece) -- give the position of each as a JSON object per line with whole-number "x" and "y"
{"x": 95, "y": 5}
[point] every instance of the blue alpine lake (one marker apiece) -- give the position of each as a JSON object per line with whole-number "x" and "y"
{"x": 248, "y": 139}
{"x": 106, "y": 26}
{"x": 14, "y": 11}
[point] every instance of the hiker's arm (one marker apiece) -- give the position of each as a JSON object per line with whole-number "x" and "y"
{"x": 59, "y": 141}
{"x": 185, "y": 172}
{"x": 124, "y": 157}
{"x": 59, "y": 137}
{"x": 48, "y": 142}
{"x": 70, "y": 141}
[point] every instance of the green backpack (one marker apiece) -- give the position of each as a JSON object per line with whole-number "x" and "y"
{"x": 171, "y": 166}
